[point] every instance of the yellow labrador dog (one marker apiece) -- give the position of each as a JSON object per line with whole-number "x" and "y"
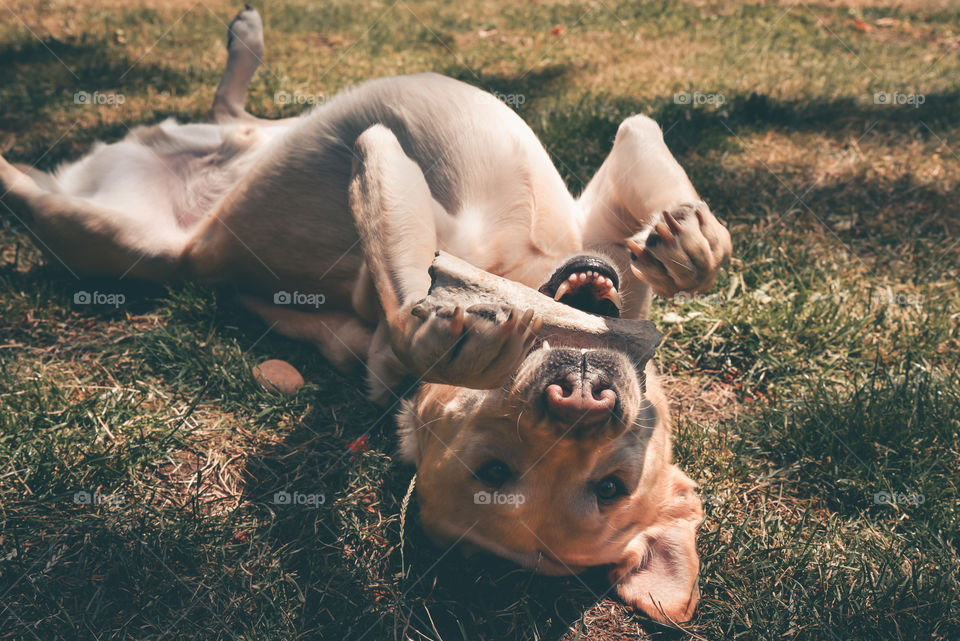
{"x": 555, "y": 456}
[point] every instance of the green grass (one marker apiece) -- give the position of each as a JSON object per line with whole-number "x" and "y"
{"x": 820, "y": 372}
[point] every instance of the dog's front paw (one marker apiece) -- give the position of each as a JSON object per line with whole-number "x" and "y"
{"x": 683, "y": 252}
{"x": 479, "y": 346}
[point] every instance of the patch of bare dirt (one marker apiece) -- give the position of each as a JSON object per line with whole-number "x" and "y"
{"x": 700, "y": 398}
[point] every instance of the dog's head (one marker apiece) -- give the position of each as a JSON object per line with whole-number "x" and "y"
{"x": 565, "y": 466}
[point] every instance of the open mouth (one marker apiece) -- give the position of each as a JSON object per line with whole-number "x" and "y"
{"x": 587, "y": 283}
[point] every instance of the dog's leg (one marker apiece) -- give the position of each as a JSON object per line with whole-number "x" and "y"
{"x": 244, "y": 53}
{"x": 642, "y": 200}
{"x": 88, "y": 239}
{"x": 395, "y": 215}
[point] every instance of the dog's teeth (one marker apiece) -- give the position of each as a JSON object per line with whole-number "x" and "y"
{"x": 562, "y": 290}
{"x": 614, "y": 296}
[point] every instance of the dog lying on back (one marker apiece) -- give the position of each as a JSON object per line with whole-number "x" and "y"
{"x": 567, "y": 447}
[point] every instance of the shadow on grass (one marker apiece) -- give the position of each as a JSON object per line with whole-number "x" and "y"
{"x": 42, "y": 78}
{"x": 854, "y": 511}
{"x": 694, "y": 130}
{"x": 886, "y": 435}
{"x": 515, "y": 90}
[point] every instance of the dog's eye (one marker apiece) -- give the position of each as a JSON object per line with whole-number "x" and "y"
{"x": 494, "y": 473}
{"x": 610, "y": 488}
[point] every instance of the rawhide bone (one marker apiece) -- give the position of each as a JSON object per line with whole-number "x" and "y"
{"x": 455, "y": 282}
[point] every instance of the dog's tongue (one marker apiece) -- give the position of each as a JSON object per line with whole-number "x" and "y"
{"x": 455, "y": 282}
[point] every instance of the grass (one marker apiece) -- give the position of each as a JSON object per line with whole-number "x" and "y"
{"x": 817, "y": 379}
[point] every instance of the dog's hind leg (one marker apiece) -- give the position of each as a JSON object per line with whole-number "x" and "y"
{"x": 90, "y": 240}
{"x": 244, "y": 54}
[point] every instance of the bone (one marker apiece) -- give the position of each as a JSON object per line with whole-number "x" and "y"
{"x": 455, "y": 282}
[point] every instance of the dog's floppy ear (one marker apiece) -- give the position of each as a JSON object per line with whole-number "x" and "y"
{"x": 659, "y": 574}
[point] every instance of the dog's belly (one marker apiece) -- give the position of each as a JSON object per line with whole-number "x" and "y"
{"x": 169, "y": 172}
{"x": 288, "y": 223}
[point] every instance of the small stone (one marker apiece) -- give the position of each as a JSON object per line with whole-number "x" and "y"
{"x": 278, "y": 376}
